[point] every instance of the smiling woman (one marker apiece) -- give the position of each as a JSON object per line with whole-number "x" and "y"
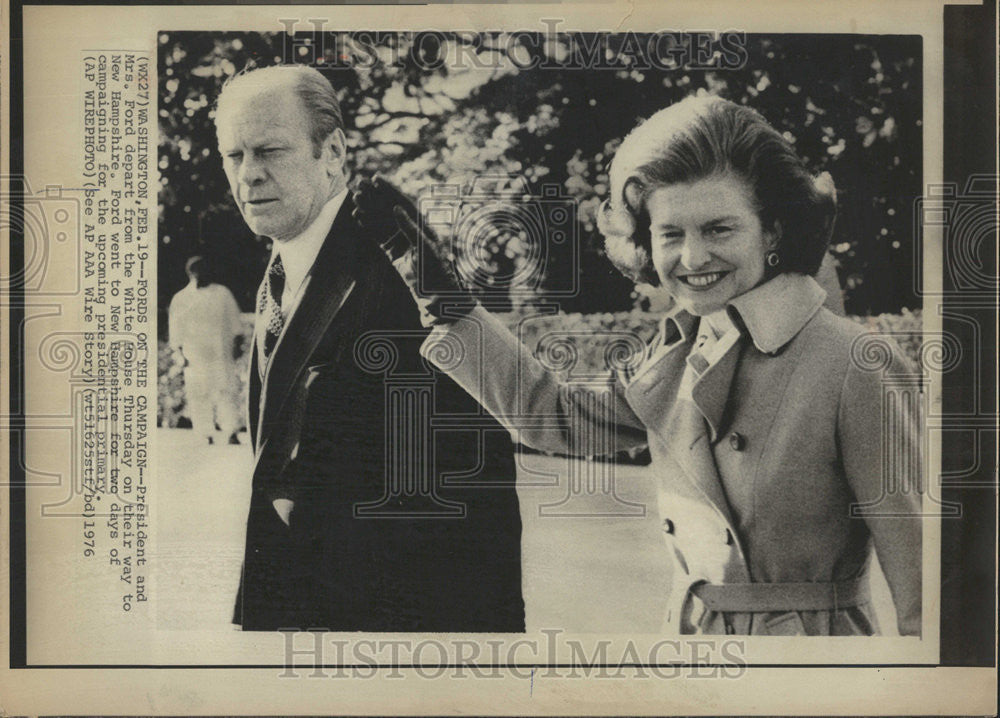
{"x": 707, "y": 241}
{"x": 709, "y": 140}
{"x": 767, "y": 435}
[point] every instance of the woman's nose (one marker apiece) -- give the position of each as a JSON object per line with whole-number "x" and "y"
{"x": 694, "y": 253}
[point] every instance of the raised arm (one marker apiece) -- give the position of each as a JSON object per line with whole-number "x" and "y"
{"x": 585, "y": 417}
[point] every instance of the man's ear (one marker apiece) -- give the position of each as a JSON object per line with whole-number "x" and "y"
{"x": 335, "y": 151}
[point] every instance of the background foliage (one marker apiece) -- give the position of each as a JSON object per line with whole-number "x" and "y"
{"x": 851, "y": 104}
{"x": 592, "y": 332}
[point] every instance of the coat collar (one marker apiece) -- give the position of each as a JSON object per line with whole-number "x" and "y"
{"x": 777, "y": 310}
{"x": 770, "y": 314}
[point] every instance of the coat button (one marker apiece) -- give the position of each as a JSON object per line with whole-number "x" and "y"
{"x": 737, "y": 442}
{"x": 668, "y": 526}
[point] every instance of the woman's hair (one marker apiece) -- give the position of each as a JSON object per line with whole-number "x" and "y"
{"x": 697, "y": 138}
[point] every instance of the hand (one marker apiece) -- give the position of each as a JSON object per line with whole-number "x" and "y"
{"x": 374, "y": 203}
{"x": 411, "y": 246}
{"x": 179, "y": 357}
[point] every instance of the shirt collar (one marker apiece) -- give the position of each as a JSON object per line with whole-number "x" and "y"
{"x": 771, "y": 314}
{"x": 299, "y": 253}
{"x": 718, "y": 322}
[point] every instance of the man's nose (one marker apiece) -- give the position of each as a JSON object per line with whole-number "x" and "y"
{"x": 694, "y": 253}
{"x": 251, "y": 172}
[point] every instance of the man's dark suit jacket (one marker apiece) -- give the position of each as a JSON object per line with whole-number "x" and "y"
{"x": 318, "y": 429}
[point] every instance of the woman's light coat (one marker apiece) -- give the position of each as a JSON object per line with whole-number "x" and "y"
{"x": 799, "y": 453}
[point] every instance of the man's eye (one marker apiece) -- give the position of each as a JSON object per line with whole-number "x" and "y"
{"x": 720, "y": 230}
{"x": 670, "y": 236}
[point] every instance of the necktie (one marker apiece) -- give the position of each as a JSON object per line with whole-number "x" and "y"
{"x": 269, "y": 305}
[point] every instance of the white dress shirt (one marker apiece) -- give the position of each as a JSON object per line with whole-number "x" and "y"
{"x": 299, "y": 253}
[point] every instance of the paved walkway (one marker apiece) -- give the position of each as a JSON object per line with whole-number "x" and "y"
{"x": 584, "y": 573}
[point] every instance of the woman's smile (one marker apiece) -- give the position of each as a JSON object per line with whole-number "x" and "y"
{"x": 702, "y": 280}
{"x": 707, "y": 240}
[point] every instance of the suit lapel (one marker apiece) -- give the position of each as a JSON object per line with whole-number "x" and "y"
{"x": 325, "y": 290}
{"x": 253, "y": 390}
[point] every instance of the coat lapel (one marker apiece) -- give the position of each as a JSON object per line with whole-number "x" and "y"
{"x": 325, "y": 290}
{"x": 711, "y": 391}
{"x": 686, "y": 428}
{"x": 688, "y": 444}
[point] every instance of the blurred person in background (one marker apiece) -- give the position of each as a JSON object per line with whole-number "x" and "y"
{"x": 205, "y": 328}
{"x": 765, "y": 431}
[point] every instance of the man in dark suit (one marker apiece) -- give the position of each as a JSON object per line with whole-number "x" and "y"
{"x": 361, "y": 518}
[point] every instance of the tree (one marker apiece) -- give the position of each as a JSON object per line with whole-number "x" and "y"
{"x": 432, "y": 110}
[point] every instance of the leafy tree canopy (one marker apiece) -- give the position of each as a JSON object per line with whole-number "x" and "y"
{"x": 452, "y": 108}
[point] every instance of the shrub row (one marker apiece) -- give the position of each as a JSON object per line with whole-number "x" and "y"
{"x": 589, "y": 335}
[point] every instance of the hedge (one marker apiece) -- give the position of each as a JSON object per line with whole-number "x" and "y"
{"x": 588, "y": 333}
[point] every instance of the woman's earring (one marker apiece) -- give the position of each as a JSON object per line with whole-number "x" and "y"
{"x": 772, "y": 258}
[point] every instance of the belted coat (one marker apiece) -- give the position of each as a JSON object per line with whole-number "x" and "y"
{"x": 796, "y": 456}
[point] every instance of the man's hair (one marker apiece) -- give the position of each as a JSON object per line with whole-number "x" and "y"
{"x": 317, "y": 95}
{"x": 197, "y": 269}
{"x": 700, "y": 137}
